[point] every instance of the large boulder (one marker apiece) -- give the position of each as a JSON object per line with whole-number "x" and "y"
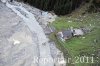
{"x": 17, "y": 47}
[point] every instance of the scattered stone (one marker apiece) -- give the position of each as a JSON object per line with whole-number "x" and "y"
{"x": 67, "y": 34}
{"x": 95, "y": 41}
{"x": 78, "y": 32}
{"x": 44, "y": 44}
{"x": 83, "y": 37}
{"x": 16, "y": 42}
{"x": 48, "y": 30}
{"x": 90, "y": 25}
{"x": 69, "y": 21}
{"x": 84, "y": 16}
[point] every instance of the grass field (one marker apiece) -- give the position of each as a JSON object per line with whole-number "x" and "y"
{"x": 88, "y": 44}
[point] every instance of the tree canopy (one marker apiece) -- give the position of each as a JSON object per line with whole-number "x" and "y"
{"x": 60, "y": 7}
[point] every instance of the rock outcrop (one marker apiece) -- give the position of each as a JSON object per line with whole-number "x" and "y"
{"x": 22, "y": 40}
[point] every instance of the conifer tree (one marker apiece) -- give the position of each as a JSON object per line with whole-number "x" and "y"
{"x": 60, "y": 7}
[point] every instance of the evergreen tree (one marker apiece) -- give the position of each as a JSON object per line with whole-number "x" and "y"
{"x": 60, "y": 7}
